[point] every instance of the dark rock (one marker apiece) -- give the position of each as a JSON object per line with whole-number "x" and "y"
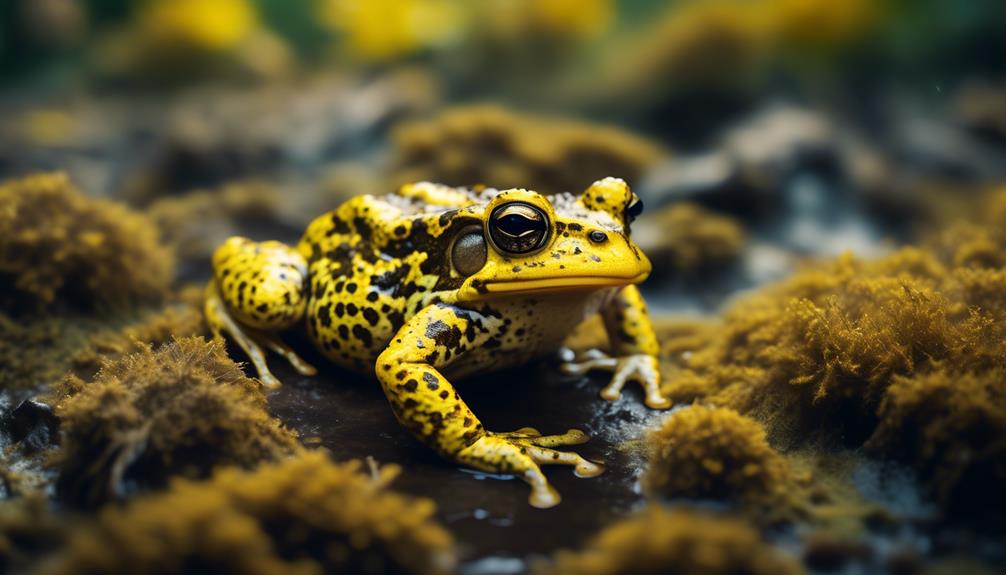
{"x": 33, "y": 424}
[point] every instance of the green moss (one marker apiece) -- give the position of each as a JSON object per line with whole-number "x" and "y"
{"x": 665, "y": 542}
{"x": 489, "y": 145}
{"x": 717, "y": 453}
{"x": 180, "y": 410}
{"x": 59, "y": 247}
{"x": 306, "y": 515}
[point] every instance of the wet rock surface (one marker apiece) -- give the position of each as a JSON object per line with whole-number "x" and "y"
{"x": 488, "y": 514}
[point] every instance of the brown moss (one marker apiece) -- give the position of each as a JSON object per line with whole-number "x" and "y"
{"x": 38, "y": 351}
{"x": 59, "y": 247}
{"x": 686, "y": 239}
{"x": 717, "y": 453}
{"x": 951, "y": 427}
{"x": 667, "y": 542}
{"x": 305, "y": 515}
{"x": 180, "y": 410}
{"x": 28, "y": 532}
{"x": 853, "y": 349}
{"x": 492, "y": 146}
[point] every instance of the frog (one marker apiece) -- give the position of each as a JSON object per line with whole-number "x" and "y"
{"x": 432, "y": 284}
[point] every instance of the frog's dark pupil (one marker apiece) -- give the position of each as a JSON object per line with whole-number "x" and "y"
{"x": 517, "y": 225}
{"x": 518, "y": 228}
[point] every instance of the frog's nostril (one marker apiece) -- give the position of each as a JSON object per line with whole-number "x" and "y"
{"x": 597, "y": 236}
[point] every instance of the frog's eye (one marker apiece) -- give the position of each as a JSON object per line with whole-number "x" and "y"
{"x": 634, "y": 209}
{"x": 518, "y": 228}
{"x": 469, "y": 251}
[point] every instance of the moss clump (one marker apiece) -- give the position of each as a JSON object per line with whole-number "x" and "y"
{"x": 492, "y": 146}
{"x": 665, "y": 542}
{"x": 59, "y": 246}
{"x": 717, "y": 453}
{"x": 855, "y": 349}
{"x": 39, "y": 351}
{"x": 28, "y": 532}
{"x": 180, "y": 410}
{"x": 952, "y": 428}
{"x": 686, "y": 239}
{"x": 306, "y": 515}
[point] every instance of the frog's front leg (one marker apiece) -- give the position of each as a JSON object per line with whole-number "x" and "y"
{"x": 428, "y": 405}
{"x": 258, "y": 289}
{"x": 634, "y": 349}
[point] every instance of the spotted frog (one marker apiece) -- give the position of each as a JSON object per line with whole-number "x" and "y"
{"x": 434, "y": 283}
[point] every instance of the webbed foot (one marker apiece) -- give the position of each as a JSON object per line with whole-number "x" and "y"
{"x": 638, "y": 367}
{"x": 251, "y": 340}
{"x": 522, "y": 451}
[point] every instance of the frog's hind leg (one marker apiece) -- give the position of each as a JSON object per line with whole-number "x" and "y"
{"x": 257, "y": 290}
{"x": 426, "y": 403}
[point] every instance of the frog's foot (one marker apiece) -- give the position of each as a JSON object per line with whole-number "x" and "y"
{"x": 522, "y": 451}
{"x": 250, "y": 340}
{"x": 640, "y": 367}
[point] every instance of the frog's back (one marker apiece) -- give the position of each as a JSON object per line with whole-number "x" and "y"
{"x": 373, "y": 263}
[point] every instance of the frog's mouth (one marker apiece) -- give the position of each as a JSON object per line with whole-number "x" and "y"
{"x": 562, "y": 283}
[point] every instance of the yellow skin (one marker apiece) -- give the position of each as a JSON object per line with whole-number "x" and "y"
{"x": 416, "y": 288}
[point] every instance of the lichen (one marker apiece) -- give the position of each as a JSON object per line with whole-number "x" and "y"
{"x": 59, "y": 247}
{"x": 305, "y": 515}
{"x": 180, "y": 410}
{"x": 657, "y": 540}
{"x": 716, "y": 453}
{"x": 489, "y": 145}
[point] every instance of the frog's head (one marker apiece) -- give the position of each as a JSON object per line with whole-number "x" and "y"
{"x": 524, "y": 243}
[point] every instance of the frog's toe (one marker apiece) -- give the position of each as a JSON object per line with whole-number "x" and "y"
{"x": 582, "y": 467}
{"x": 543, "y": 495}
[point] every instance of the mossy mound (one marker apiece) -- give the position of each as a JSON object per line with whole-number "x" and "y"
{"x": 687, "y": 239}
{"x": 39, "y": 351}
{"x": 659, "y": 541}
{"x": 853, "y": 349}
{"x": 306, "y": 515}
{"x": 950, "y": 426}
{"x": 59, "y": 247}
{"x": 181, "y": 410}
{"x": 717, "y": 453}
{"x": 28, "y": 532}
{"x": 489, "y": 145}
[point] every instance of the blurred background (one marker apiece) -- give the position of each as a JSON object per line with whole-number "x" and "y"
{"x": 758, "y": 132}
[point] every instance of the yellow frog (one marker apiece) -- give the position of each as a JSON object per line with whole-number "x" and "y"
{"x": 435, "y": 283}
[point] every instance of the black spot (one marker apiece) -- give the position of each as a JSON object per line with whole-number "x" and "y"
{"x": 390, "y": 279}
{"x": 340, "y": 309}
{"x": 363, "y": 334}
{"x": 351, "y": 309}
{"x": 351, "y": 287}
{"x": 400, "y": 230}
{"x": 401, "y": 374}
{"x": 410, "y": 385}
{"x": 444, "y": 394}
{"x": 343, "y": 332}
{"x": 574, "y": 227}
{"x": 371, "y": 316}
{"x": 325, "y": 315}
{"x": 372, "y": 296}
